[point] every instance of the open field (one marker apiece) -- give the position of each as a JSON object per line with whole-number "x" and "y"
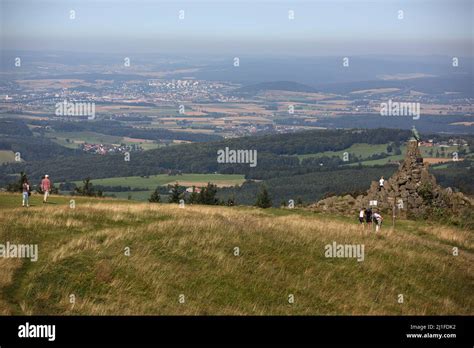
{"x": 88, "y": 137}
{"x": 7, "y": 156}
{"x": 363, "y": 150}
{"x": 151, "y": 182}
{"x": 134, "y": 195}
{"x": 439, "y": 160}
{"x": 190, "y": 253}
{"x": 366, "y": 150}
{"x": 77, "y": 138}
{"x": 381, "y": 161}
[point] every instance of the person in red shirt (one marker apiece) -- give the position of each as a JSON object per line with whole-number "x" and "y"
{"x": 45, "y": 187}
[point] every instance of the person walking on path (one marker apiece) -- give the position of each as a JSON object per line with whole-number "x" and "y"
{"x": 26, "y": 192}
{"x": 45, "y": 187}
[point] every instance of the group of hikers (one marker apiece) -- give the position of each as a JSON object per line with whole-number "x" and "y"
{"x": 366, "y": 216}
{"x": 26, "y": 189}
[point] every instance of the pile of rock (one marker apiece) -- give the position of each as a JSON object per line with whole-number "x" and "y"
{"x": 412, "y": 192}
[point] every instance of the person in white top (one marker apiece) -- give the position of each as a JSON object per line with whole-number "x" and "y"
{"x": 378, "y": 221}
{"x": 381, "y": 182}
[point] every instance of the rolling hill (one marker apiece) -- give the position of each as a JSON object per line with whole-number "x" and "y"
{"x": 185, "y": 261}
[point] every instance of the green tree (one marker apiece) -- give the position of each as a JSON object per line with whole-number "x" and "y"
{"x": 155, "y": 197}
{"x": 208, "y": 195}
{"x": 263, "y": 198}
{"x": 86, "y": 189}
{"x": 193, "y": 197}
{"x": 175, "y": 194}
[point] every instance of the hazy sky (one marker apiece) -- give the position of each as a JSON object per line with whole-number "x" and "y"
{"x": 319, "y": 27}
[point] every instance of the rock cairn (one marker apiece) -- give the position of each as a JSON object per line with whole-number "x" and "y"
{"x": 411, "y": 192}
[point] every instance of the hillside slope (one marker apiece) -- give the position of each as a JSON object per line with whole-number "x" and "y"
{"x": 190, "y": 252}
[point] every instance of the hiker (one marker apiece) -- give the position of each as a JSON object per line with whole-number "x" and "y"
{"x": 361, "y": 217}
{"x": 381, "y": 182}
{"x": 378, "y": 221}
{"x": 26, "y": 192}
{"x": 368, "y": 217}
{"x": 45, "y": 187}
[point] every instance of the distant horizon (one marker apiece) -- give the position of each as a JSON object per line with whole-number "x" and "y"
{"x": 43, "y": 51}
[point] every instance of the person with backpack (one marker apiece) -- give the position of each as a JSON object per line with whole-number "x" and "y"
{"x": 26, "y": 192}
{"x": 378, "y": 221}
{"x": 45, "y": 187}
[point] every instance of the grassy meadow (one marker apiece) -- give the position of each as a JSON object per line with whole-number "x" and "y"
{"x": 183, "y": 261}
{"x": 153, "y": 181}
{"x": 7, "y": 156}
{"x": 364, "y": 150}
{"x": 367, "y": 150}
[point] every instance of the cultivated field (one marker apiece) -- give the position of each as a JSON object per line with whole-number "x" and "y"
{"x": 184, "y": 261}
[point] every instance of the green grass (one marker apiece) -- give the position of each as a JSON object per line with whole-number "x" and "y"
{"x": 89, "y": 137}
{"x": 134, "y": 195}
{"x": 425, "y": 151}
{"x": 36, "y": 200}
{"x": 380, "y": 161}
{"x": 190, "y": 251}
{"x": 94, "y": 138}
{"x": 163, "y": 179}
{"x": 366, "y": 150}
{"x": 7, "y": 156}
{"x": 363, "y": 150}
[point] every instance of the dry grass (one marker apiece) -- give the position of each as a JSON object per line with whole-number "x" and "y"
{"x": 190, "y": 251}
